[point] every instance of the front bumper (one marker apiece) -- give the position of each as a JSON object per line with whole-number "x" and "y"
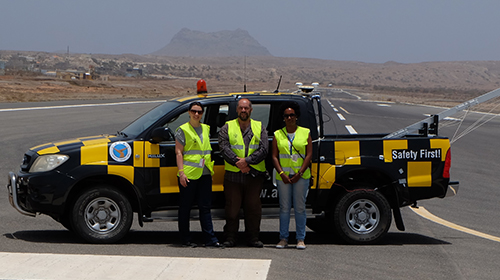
{"x": 13, "y": 190}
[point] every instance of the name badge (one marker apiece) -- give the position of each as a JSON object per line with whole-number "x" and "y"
{"x": 202, "y": 162}
{"x": 295, "y": 157}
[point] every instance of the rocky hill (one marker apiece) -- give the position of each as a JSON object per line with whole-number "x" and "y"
{"x": 441, "y": 83}
{"x": 216, "y": 44}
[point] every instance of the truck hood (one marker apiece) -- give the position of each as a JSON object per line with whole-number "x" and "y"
{"x": 67, "y": 146}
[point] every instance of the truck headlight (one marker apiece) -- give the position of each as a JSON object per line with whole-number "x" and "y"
{"x": 48, "y": 162}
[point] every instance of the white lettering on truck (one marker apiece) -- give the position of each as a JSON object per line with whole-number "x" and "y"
{"x": 422, "y": 154}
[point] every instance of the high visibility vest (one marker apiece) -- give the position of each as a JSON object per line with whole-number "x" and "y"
{"x": 197, "y": 153}
{"x": 291, "y": 160}
{"x": 238, "y": 145}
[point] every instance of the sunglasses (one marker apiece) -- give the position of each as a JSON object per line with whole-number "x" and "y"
{"x": 286, "y": 116}
{"x": 199, "y": 112}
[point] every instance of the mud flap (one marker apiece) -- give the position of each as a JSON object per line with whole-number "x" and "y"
{"x": 398, "y": 219}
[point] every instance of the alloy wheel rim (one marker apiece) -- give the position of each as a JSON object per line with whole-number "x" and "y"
{"x": 362, "y": 216}
{"x": 102, "y": 215}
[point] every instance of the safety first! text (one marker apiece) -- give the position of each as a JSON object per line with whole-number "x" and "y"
{"x": 422, "y": 154}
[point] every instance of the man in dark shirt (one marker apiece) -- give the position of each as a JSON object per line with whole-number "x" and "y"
{"x": 244, "y": 145}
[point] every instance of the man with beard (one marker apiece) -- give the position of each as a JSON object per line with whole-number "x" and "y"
{"x": 244, "y": 145}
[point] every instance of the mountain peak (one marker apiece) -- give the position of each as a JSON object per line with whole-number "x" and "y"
{"x": 194, "y": 43}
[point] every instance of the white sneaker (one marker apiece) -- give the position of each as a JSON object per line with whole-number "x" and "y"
{"x": 301, "y": 245}
{"x": 282, "y": 244}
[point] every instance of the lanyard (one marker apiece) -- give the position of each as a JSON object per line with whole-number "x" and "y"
{"x": 290, "y": 140}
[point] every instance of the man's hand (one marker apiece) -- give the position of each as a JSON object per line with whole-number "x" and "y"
{"x": 245, "y": 169}
{"x": 241, "y": 163}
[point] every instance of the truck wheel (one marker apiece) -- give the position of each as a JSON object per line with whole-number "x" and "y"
{"x": 362, "y": 217}
{"x": 102, "y": 215}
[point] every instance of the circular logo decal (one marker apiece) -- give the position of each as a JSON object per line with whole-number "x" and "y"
{"x": 120, "y": 151}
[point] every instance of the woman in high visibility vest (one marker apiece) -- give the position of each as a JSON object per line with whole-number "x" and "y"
{"x": 195, "y": 170}
{"x": 292, "y": 153}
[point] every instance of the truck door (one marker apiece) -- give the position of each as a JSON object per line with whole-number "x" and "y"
{"x": 160, "y": 167}
{"x": 263, "y": 112}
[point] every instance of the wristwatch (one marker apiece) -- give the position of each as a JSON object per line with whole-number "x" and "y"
{"x": 300, "y": 173}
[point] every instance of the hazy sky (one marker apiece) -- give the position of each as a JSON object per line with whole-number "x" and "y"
{"x": 353, "y": 30}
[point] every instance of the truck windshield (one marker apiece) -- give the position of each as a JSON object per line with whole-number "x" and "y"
{"x": 146, "y": 120}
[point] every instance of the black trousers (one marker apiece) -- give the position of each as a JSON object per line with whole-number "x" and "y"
{"x": 196, "y": 192}
{"x": 242, "y": 190}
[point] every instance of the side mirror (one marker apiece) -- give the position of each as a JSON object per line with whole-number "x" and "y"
{"x": 161, "y": 134}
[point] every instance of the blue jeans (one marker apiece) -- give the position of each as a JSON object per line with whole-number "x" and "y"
{"x": 196, "y": 192}
{"x": 296, "y": 194}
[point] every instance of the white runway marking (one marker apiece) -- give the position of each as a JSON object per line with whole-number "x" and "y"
{"x": 446, "y": 118}
{"x": 81, "y": 267}
{"x": 78, "y": 106}
{"x": 352, "y": 94}
{"x": 331, "y": 105}
{"x": 342, "y": 108}
{"x": 340, "y": 117}
{"x": 351, "y": 129}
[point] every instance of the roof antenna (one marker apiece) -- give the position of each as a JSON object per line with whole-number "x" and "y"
{"x": 245, "y": 75}
{"x": 278, "y": 87}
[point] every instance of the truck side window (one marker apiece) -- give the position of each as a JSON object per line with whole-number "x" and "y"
{"x": 276, "y": 119}
{"x": 175, "y": 122}
{"x": 261, "y": 113}
{"x": 222, "y": 116}
{"x": 216, "y": 116}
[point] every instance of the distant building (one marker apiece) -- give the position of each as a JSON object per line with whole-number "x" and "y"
{"x": 49, "y": 73}
{"x": 73, "y": 75}
{"x": 134, "y": 72}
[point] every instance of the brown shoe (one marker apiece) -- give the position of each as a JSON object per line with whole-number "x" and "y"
{"x": 282, "y": 244}
{"x": 301, "y": 245}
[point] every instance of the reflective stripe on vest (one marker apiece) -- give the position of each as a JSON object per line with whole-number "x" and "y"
{"x": 238, "y": 145}
{"x": 195, "y": 150}
{"x": 287, "y": 163}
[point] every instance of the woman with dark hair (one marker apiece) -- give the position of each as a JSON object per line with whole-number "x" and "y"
{"x": 292, "y": 153}
{"x": 194, "y": 161}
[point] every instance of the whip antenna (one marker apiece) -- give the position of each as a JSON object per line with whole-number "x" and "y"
{"x": 278, "y": 87}
{"x": 245, "y": 75}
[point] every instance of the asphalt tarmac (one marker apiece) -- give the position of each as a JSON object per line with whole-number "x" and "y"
{"x": 426, "y": 250}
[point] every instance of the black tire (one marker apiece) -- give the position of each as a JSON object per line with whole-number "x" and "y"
{"x": 362, "y": 217}
{"x": 102, "y": 215}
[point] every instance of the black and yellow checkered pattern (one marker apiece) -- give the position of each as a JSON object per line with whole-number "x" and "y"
{"x": 340, "y": 155}
{"x": 415, "y": 172}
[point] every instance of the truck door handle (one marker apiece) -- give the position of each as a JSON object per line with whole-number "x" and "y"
{"x": 217, "y": 153}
